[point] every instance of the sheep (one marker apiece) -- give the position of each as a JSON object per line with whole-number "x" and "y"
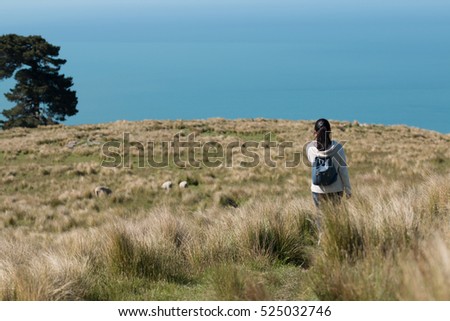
{"x": 167, "y": 185}
{"x": 183, "y": 184}
{"x": 102, "y": 190}
{"x": 72, "y": 144}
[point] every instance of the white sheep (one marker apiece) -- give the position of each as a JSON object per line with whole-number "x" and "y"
{"x": 183, "y": 184}
{"x": 72, "y": 144}
{"x": 102, "y": 190}
{"x": 167, "y": 185}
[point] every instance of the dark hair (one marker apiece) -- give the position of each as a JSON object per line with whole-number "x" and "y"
{"x": 323, "y": 132}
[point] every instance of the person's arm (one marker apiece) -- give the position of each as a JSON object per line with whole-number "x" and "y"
{"x": 310, "y": 152}
{"x": 343, "y": 172}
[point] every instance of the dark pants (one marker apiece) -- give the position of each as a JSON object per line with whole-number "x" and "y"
{"x": 332, "y": 198}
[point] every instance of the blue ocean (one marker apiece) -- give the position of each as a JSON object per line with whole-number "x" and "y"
{"x": 372, "y": 64}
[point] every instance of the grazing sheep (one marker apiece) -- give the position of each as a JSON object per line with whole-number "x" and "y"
{"x": 167, "y": 185}
{"x": 183, "y": 184}
{"x": 102, "y": 190}
{"x": 72, "y": 144}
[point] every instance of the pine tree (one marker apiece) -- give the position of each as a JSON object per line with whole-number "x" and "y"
{"x": 42, "y": 95}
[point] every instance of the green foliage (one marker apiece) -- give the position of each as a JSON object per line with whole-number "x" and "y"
{"x": 41, "y": 94}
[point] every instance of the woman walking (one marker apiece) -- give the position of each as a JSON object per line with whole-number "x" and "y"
{"x": 330, "y": 178}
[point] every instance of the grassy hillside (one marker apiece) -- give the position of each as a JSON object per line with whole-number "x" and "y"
{"x": 237, "y": 232}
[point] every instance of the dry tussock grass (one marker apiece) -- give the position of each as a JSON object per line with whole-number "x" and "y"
{"x": 229, "y": 236}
